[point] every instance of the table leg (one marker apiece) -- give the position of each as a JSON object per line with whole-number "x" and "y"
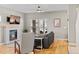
{"x": 41, "y": 45}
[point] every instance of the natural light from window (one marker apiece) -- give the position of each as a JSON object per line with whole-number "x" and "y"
{"x": 0, "y": 18}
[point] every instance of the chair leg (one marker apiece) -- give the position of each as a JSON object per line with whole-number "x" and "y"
{"x": 33, "y": 51}
{"x": 17, "y": 50}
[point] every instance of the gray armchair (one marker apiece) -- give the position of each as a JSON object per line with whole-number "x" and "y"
{"x": 27, "y": 43}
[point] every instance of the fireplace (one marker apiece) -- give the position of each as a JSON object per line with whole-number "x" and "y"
{"x": 12, "y": 35}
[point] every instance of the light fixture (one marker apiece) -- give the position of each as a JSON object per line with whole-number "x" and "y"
{"x": 39, "y": 9}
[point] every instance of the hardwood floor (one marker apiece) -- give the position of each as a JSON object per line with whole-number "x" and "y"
{"x": 6, "y": 50}
{"x": 58, "y": 47}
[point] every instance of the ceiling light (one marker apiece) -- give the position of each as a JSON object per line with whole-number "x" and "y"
{"x": 39, "y": 9}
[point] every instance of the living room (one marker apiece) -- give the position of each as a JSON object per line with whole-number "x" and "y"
{"x": 52, "y": 26}
{"x": 47, "y": 18}
{"x": 40, "y": 29}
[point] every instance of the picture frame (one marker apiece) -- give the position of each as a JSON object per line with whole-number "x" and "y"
{"x": 57, "y": 22}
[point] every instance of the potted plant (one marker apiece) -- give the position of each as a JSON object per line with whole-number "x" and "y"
{"x": 25, "y": 30}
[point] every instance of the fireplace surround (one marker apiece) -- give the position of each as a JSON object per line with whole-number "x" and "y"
{"x": 11, "y": 34}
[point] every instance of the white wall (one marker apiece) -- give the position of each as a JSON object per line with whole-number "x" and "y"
{"x": 4, "y": 12}
{"x": 77, "y": 27}
{"x": 72, "y": 16}
{"x": 49, "y": 17}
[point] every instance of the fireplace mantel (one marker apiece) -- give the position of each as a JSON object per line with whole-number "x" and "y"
{"x": 9, "y": 25}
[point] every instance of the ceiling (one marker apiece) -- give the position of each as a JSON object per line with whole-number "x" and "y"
{"x": 30, "y": 8}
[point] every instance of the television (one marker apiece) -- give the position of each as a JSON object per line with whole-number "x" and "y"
{"x": 8, "y": 19}
{"x": 13, "y": 19}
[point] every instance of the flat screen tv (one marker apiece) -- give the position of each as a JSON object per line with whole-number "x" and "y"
{"x": 13, "y": 19}
{"x": 8, "y": 19}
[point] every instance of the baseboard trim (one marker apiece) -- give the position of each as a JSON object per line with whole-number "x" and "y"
{"x": 61, "y": 39}
{"x": 72, "y": 44}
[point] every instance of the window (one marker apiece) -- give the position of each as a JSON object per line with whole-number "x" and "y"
{"x": 0, "y": 18}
